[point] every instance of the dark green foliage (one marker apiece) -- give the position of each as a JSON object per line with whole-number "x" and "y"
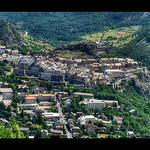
{"x": 131, "y": 100}
{"x": 11, "y": 130}
{"x": 64, "y": 27}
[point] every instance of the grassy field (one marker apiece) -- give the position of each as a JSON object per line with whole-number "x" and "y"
{"x": 36, "y": 43}
{"x": 117, "y": 36}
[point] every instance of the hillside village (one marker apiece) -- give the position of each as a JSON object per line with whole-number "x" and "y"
{"x": 51, "y": 108}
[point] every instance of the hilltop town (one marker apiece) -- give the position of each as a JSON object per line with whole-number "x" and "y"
{"x": 43, "y": 107}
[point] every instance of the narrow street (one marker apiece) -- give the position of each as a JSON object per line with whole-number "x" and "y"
{"x": 63, "y": 120}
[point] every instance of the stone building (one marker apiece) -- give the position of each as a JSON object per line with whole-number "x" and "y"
{"x": 27, "y": 66}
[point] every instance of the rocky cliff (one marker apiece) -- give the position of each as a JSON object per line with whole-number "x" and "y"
{"x": 8, "y": 34}
{"x": 89, "y": 47}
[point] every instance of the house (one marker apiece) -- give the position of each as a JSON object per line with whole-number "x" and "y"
{"x": 133, "y": 111}
{"x": 118, "y": 119}
{"x": 85, "y": 95}
{"x": 50, "y": 116}
{"x": 56, "y": 132}
{"x": 59, "y": 127}
{"x": 8, "y": 51}
{"x": 29, "y": 123}
{"x": 30, "y": 112}
{"x": 37, "y": 90}
{"x": 15, "y": 52}
{"x": 130, "y": 134}
{"x": 25, "y": 63}
{"x": 44, "y": 132}
{"x": 24, "y": 129}
{"x": 2, "y": 49}
{"x": 7, "y": 93}
{"x": 23, "y": 88}
{"x": 75, "y": 129}
{"x": 67, "y": 103}
{"x": 113, "y": 73}
{"x": 91, "y": 128}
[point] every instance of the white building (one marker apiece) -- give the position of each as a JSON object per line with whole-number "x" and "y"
{"x": 85, "y": 119}
{"x": 50, "y": 116}
{"x": 96, "y": 104}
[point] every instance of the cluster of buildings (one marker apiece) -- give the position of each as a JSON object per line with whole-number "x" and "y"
{"x": 87, "y": 72}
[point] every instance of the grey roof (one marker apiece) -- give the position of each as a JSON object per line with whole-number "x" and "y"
{"x": 26, "y": 60}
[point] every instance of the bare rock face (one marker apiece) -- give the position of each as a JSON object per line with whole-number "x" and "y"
{"x": 8, "y": 34}
{"x": 89, "y": 47}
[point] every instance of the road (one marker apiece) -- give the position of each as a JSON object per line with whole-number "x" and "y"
{"x": 63, "y": 120}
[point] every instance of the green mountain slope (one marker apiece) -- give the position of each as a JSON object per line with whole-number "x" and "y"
{"x": 138, "y": 48}
{"x": 64, "y": 27}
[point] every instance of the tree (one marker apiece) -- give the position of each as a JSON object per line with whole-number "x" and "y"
{"x": 11, "y": 130}
{"x": 38, "y": 100}
{"x": 2, "y": 106}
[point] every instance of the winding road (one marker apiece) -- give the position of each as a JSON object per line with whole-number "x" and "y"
{"x": 63, "y": 120}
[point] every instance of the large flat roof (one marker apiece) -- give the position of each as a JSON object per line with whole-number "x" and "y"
{"x": 6, "y": 90}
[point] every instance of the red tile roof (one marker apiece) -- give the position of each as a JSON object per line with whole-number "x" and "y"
{"x": 33, "y": 96}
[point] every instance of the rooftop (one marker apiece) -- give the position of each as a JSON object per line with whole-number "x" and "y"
{"x": 35, "y": 95}
{"x": 87, "y": 94}
{"x": 30, "y": 97}
{"x": 117, "y": 117}
{"x": 6, "y": 90}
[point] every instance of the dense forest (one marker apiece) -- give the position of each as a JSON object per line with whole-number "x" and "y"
{"x": 63, "y": 27}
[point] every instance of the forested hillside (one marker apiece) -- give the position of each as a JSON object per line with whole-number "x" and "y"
{"x": 138, "y": 49}
{"x": 64, "y": 27}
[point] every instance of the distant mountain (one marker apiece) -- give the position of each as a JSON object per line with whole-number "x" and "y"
{"x": 8, "y": 34}
{"x": 63, "y": 27}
